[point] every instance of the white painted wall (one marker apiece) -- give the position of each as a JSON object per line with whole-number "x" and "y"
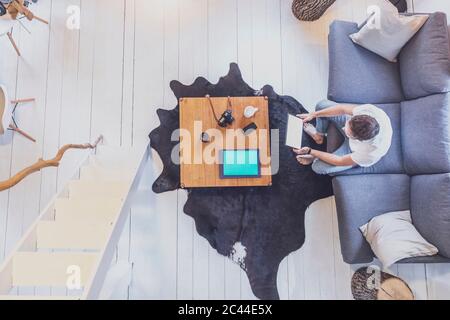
{"x": 111, "y": 76}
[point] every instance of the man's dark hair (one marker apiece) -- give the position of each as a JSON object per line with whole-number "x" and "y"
{"x": 364, "y": 127}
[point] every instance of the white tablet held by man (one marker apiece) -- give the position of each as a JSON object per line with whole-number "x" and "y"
{"x": 294, "y": 132}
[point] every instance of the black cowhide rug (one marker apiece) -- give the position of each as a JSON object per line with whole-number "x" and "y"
{"x": 267, "y": 221}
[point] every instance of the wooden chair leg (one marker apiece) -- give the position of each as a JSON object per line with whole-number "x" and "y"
{"x": 40, "y": 19}
{"x": 11, "y": 39}
{"x": 21, "y": 132}
{"x": 23, "y": 100}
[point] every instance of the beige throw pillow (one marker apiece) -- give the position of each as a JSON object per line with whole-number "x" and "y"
{"x": 393, "y": 237}
{"x": 387, "y": 32}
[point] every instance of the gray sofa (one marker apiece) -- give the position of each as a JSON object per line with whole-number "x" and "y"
{"x": 415, "y": 174}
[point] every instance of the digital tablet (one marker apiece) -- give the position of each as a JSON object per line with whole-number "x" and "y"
{"x": 240, "y": 164}
{"x": 294, "y": 132}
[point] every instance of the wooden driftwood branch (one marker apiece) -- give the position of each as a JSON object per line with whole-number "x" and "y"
{"x": 41, "y": 164}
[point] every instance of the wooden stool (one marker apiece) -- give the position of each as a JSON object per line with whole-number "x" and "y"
{"x": 368, "y": 285}
{"x": 16, "y": 7}
{"x": 10, "y": 14}
{"x": 7, "y": 111}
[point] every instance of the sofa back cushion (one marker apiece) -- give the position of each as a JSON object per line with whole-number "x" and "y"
{"x": 358, "y": 75}
{"x": 425, "y": 60}
{"x": 426, "y": 134}
{"x": 430, "y": 209}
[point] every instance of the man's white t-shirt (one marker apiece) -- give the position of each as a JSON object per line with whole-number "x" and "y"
{"x": 367, "y": 153}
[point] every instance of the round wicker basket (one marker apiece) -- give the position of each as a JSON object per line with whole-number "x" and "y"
{"x": 310, "y": 10}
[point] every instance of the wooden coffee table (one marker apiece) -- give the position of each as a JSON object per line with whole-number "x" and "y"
{"x": 197, "y": 117}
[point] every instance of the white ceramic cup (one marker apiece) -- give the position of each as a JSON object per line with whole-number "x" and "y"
{"x": 250, "y": 111}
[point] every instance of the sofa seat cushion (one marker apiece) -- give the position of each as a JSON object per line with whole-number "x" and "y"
{"x": 425, "y": 60}
{"x": 430, "y": 209}
{"x": 334, "y": 138}
{"x": 358, "y": 75}
{"x": 426, "y": 134}
{"x": 361, "y": 198}
{"x": 392, "y": 162}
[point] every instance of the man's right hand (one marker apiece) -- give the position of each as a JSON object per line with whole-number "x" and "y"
{"x": 306, "y": 117}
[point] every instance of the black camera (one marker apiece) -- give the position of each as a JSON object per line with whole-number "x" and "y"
{"x": 226, "y": 119}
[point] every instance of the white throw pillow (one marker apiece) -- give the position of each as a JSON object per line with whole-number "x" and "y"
{"x": 393, "y": 237}
{"x": 387, "y": 32}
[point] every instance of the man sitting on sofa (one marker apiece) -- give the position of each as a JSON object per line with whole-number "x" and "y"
{"x": 367, "y": 131}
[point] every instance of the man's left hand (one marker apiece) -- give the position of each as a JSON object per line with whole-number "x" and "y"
{"x": 303, "y": 151}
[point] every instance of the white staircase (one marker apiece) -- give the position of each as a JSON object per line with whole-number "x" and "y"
{"x": 71, "y": 244}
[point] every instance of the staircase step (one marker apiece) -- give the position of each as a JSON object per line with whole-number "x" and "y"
{"x": 98, "y": 210}
{"x": 103, "y": 173}
{"x": 80, "y": 235}
{"x": 44, "y": 298}
{"x": 83, "y": 189}
{"x": 51, "y": 269}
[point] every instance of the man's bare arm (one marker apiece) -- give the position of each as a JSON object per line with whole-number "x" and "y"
{"x": 336, "y": 110}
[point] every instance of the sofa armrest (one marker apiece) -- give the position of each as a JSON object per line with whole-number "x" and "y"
{"x": 358, "y": 75}
{"x": 430, "y": 209}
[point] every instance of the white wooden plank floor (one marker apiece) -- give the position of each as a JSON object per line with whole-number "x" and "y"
{"x": 110, "y": 76}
